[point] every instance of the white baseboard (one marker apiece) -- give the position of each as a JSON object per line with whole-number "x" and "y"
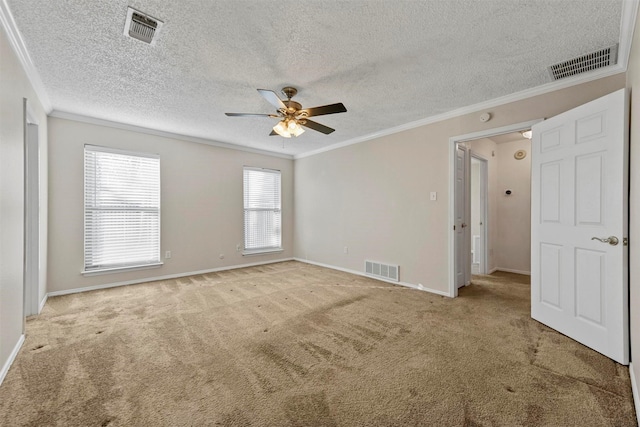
{"x": 493, "y": 270}
{"x": 511, "y": 270}
{"x": 360, "y": 273}
{"x": 42, "y": 303}
{"x": 153, "y": 279}
{"x": 634, "y": 389}
{"x": 12, "y": 357}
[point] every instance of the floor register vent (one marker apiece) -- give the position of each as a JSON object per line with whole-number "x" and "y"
{"x": 382, "y": 271}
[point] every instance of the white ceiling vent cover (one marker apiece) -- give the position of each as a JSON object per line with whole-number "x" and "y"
{"x": 141, "y": 26}
{"x": 582, "y": 64}
{"x": 382, "y": 271}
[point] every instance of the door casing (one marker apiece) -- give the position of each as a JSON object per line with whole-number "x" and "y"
{"x": 453, "y": 141}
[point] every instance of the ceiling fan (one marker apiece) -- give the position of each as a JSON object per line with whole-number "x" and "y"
{"x": 291, "y": 114}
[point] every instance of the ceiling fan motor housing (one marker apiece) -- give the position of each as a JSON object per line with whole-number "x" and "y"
{"x": 289, "y": 92}
{"x": 292, "y": 106}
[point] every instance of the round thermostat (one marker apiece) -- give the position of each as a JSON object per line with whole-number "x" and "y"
{"x": 520, "y": 154}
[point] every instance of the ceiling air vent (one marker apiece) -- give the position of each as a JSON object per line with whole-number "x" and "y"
{"x": 582, "y": 64}
{"x": 141, "y": 26}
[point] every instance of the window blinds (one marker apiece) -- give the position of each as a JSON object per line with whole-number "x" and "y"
{"x": 262, "y": 210}
{"x": 121, "y": 209}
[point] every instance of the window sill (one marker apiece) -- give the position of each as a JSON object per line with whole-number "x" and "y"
{"x": 120, "y": 269}
{"x": 262, "y": 252}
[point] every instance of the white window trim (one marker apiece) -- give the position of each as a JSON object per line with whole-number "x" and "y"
{"x": 123, "y": 269}
{"x": 120, "y": 269}
{"x": 262, "y": 251}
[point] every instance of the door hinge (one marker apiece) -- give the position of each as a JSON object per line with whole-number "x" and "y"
{"x": 454, "y": 228}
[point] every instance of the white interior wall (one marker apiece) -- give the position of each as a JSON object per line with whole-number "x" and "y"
{"x": 14, "y": 86}
{"x": 374, "y": 197}
{"x": 514, "y": 211}
{"x": 201, "y": 203}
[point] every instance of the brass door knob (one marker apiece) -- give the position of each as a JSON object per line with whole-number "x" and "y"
{"x": 612, "y": 240}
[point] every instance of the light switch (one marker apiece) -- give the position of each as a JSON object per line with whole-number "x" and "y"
{"x": 434, "y": 195}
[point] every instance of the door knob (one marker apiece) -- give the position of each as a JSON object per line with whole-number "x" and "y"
{"x": 464, "y": 225}
{"x": 612, "y": 240}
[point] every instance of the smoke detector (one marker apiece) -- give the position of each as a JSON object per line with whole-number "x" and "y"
{"x": 141, "y": 26}
{"x": 582, "y": 64}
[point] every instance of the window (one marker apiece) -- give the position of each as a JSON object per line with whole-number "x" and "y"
{"x": 121, "y": 209}
{"x": 262, "y": 211}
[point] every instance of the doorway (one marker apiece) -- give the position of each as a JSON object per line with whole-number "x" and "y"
{"x": 463, "y": 254}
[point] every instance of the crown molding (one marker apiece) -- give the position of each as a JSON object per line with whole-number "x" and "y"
{"x": 117, "y": 125}
{"x": 627, "y": 24}
{"x": 19, "y": 47}
{"x": 493, "y": 103}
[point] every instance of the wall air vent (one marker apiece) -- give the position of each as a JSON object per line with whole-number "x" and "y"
{"x": 382, "y": 271}
{"x": 141, "y": 26}
{"x": 582, "y": 64}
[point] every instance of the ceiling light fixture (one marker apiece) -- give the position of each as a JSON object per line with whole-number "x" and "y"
{"x": 293, "y": 118}
{"x": 527, "y": 133}
{"x": 288, "y": 127}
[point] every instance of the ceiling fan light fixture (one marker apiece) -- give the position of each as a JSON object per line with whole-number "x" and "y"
{"x": 282, "y": 129}
{"x": 293, "y": 119}
{"x": 294, "y": 128}
{"x": 297, "y": 131}
{"x": 527, "y": 134}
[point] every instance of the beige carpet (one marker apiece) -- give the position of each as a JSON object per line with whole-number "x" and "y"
{"x": 291, "y": 344}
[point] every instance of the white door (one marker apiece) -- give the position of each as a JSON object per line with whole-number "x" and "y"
{"x": 478, "y": 181}
{"x": 579, "y": 187}
{"x": 460, "y": 215}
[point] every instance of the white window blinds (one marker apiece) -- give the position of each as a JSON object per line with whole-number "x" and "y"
{"x": 262, "y": 210}
{"x": 121, "y": 209}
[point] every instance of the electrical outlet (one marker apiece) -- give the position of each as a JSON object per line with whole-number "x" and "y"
{"x": 221, "y": 256}
{"x": 238, "y": 247}
{"x": 433, "y": 195}
{"x": 167, "y": 254}
{"x": 346, "y": 249}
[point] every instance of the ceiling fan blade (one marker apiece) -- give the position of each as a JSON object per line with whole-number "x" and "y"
{"x": 325, "y": 109}
{"x": 273, "y": 133}
{"x": 249, "y": 115}
{"x": 273, "y": 99}
{"x": 316, "y": 126}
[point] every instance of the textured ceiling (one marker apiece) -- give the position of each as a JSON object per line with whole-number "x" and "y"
{"x": 389, "y": 62}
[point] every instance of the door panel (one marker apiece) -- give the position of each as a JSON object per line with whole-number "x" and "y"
{"x": 550, "y": 263}
{"x": 579, "y": 191}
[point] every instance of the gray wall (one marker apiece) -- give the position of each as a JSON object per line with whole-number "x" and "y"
{"x": 14, "y": 86}
{"x": 374, "y": 197}
{"x": 201, "y": 203}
